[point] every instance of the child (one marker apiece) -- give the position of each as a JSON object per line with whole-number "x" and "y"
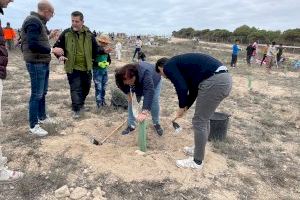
{"x": 250, "y": 48}
{"x": 100, "y": 65}
{"x": 265, "y": 51}
{"x": 271, "y": 55}
{"x": 235, "y": 52}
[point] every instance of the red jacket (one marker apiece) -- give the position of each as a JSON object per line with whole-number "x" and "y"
{"x": 9, "y": 33}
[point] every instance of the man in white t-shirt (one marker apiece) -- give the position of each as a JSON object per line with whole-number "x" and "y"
{"x": 138, "y": 46}
{"x": 271, "y": 55}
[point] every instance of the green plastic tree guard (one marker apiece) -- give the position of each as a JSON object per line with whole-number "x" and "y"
{"x": 142, "y": 138}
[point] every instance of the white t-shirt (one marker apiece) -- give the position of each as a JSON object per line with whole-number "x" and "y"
{"x": 138, "y": 43}
{"x": 118, "y": 46}
{"x": 272, "y": 51}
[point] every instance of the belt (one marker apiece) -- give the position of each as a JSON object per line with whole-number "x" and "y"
{"x": 221, "y": 71}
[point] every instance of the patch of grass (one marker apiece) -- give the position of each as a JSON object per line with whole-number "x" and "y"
{"x": 17, "y": 118}
{"x": 270, "y": 162}
{"x": 56, "y": 128}
{"x": 232, "y": 148}
{"x": 267, "y": 119}
{"x": 149, "y": 190}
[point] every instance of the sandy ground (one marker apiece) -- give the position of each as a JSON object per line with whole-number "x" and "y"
{"x": 234, "y": 169}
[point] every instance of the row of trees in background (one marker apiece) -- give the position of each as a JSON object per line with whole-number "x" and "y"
{"x": 245, "y": 33}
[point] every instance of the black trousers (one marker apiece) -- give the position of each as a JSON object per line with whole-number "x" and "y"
{"x": 233, "y": 60}
{"x": 80, "y": 84}
{"x": 248, "y": 59}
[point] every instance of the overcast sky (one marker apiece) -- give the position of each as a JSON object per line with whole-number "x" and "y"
{"x": 164, "y": 16}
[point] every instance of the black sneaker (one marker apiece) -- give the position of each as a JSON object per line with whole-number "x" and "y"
{"x": 158, "y": 129}
{"x": 128, "y": 130}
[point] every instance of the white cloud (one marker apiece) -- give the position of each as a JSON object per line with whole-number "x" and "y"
{"x": 165, "y": 16}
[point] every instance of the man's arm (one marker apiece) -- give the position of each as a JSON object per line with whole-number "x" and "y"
{"x": 148, "y": 90}
{"x": 172, "y": 73}
{"x": 60, "y": 47}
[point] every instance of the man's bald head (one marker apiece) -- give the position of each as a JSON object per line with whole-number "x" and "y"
{"x": 45, "y": 5}
{"x": 45, "y": 9}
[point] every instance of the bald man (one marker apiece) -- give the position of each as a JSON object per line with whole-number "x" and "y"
{"x": 37, "y": 55}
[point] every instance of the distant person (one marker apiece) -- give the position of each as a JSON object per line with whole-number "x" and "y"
{"x": 255, "y": 52}
{"x": 271, "y": 55}
{"x": 264, "y": 51}
{"x": 235, "y": 53}
{"x": 279, "y": 53}
{"x": 100, "y": 67}
{"x": 19, "y": 40}
{"x": 142, "y": 80}
{"x": 9, "y": 36}
{"x": 37, "y": 55}
{"x": 6, "y": 175}
{"x": 138, "y": 46}
{"x": 250, "y": 48}
{"x": 95, "y": 33}
{"x": 201, "y": 78}
{"x": 118, "y": 50}
{"x": 79, "y": 46}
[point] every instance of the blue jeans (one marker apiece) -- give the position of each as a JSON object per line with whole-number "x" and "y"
{"x": 100, "y": 79}
{"x": 39, "y": 76}
{"x": 154, "y": 108}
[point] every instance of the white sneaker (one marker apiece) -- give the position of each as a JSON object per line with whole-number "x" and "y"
{"x": 189, "y": 150}
{"x": 9, "y": 176}
{"x": 37, "y": 130}
{"x": 188, "y": 163}
{"x": 48, "y": 120}
{"x": 3, "y": 161}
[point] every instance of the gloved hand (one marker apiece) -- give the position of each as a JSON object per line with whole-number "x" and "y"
{"x": 103, "y": 64}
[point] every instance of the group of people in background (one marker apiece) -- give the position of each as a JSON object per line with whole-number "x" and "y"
{"x": 195, "y": 76}
{"x": 270, "y": 54}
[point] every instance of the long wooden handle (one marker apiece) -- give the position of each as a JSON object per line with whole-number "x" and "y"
{"x": 112, "y": 132}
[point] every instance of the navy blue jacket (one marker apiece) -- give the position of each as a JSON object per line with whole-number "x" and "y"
{"x": 145, "y": 84}
{"x": 186, "y": 72}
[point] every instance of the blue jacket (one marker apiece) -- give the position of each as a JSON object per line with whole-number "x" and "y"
{"x": 187, "y": 71}
{"x": 145, "y": 84}
{"x": 235, "y": 49}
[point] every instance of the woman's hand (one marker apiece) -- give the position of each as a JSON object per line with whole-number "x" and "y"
{"x": 180, "y": 112}
{"x": 143, "y": 116}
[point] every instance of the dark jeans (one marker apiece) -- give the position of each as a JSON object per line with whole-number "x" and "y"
{"x": 233, "y": 60}
{"x": 248, "y": 59}
{"x": 100, "y": 79}
{"x": 80, "y": 84}
{"x": 39, "y": 76}
{"x": 263, "y": 59}
{"x": 137, "y": 50}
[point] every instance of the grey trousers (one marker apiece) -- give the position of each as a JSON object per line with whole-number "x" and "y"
{"x": 210, "y": 94}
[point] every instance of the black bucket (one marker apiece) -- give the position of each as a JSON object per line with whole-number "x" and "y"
{"x": 218, "y": 126}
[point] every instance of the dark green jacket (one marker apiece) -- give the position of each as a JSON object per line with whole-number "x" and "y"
{"x": 68, "y": 40}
